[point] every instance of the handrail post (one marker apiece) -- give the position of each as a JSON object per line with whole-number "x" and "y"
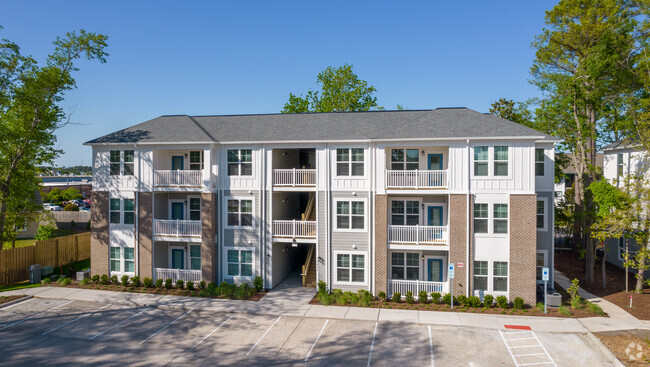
{"x": 417, "y": 234}
{"x": 293, "y": 178}
{"x": 417, "y": 179}
{"x": 293, "y": 228}
{"x": 177, "y": 225}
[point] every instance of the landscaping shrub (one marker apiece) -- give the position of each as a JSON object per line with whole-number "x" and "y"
{"x": 159, "y": 283}
{"x": 95, "y": 278}
{"x": 435, "y": 297}
{"x": 397, "y": 297}
{"x": 353, "y": 297}
{"x": 64, "y": 281}
{"x": 125, "y": 280}
{"x": 180, "y": 284}
{"x": 322, "y": 287}
{"x": 446, "y": 299}
{"x": 573, "y": 289}
{"x": 502, "y": 302}
{"x": 323, "y": 297}
{"x": 114, "y": 280}
{"x": 423, "y": 297}
{"x": 73, "y": 224}
{"x": 488, "y": 300}
{"x": 577, "y": 302}
{"x": 258, "y": 283}
{"x": 135, "y": 281}
{"x": 382, "y": 296}
{"x": 202, "y": 284}
{"x": 336, "y": 292}
{"x": 409, "y": 297}
{"x": 70, "y": 208}
{"x": 147, "y": 282}
{"x": 595, "y": 309}
{"x": 212, "y": 285}
{"x": 104, "y": 279}
{"x": 473, "y": 301}
{"x": 240, "y": 292}
{"x": 190, "y": 285}
{"x": 564, "y": 311}
{"x": 365, "y": 298}
{"x": 341, "y": 298}
{"x": 462, "y": 300}
{"x": 85, "y": 281}
{"x": 168, "y": 283}
{"x": 518, "y": 303}
{"x": 46, "y": 281}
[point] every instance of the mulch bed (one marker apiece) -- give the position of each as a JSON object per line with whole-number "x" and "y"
{"x": 162, "y": 291}
{"x": 632, "y": 347}
{"x": 569, "y": 264}
{"x": 5, "y": 299}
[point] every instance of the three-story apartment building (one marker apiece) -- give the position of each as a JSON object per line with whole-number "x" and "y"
{"x": 377, "y": 200}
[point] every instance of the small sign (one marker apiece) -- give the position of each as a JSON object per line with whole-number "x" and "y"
{"x": 450, "y": 273}
{"x": 545, "y": 274}
{"x": 460, "y": 265}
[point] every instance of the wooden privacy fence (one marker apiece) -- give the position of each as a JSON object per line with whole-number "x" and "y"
{"x": 14, "y": 263}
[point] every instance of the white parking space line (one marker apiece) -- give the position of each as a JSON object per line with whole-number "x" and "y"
{"x": 316, "y": 341}
{"x": 513, "y": 349}
{"x": 77, "y": 319}
{"x": 372, "y": 344}
{"x": 165, "y": 327}
{"x": 263, "y": 335}
{"x": 212, "y": 332}
{"x": 40, "y": 313}
{"x": 118, "y": 324}
{"x": 16, "y": 304}
{"x": 430, "y": 344}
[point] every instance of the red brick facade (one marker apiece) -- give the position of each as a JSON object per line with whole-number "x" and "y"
{"x": 99, "y": 241}
{"x": 523, "y": 247}
{"x": 458, "y": 206}
{"x": 381, "y": 243}
{"x": 145, "y": 234}
{"x": 208, "y": 231}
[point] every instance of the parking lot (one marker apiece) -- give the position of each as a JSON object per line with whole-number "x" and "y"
{"x": 61, "y": 332}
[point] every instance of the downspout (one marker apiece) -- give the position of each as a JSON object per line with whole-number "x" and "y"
{"x": 329, "y": 218}
{"x": 469, "y": 208}
{"x": 371, "y": 217}
{"x": 137, "y": 220}
{"x": 263, "y": 215}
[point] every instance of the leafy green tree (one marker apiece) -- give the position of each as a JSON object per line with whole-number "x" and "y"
{"x": 30, "y": 109}
{"x": 341, "y": 90}
{"x": 71, "y": 194}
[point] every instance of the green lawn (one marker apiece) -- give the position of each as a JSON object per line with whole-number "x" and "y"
{"x": 20, "y": 285}
{"x": 20, "y": 243}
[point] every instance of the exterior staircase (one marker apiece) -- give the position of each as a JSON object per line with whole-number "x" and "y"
{"x": 309, "y": 268}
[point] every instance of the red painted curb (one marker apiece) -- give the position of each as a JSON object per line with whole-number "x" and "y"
{"x": 517, "y": 327}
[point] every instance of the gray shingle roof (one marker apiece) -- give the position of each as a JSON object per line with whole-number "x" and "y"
{"x": 621, "y": 144}
{"x": 336, "y": 126}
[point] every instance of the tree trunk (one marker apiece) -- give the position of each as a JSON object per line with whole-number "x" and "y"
{"x": 639, "y": 275}
{"x": 602, "y": 265}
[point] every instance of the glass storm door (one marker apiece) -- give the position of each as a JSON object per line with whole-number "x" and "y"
{"x": 435, "y": 270}
{"x": 178, "y": 259}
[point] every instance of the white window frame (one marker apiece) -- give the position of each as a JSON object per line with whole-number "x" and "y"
{"x": 620, "y": 247}
{"x": 486, "y": 276}
{"x": 239, "y": 198}
{"x": 122, "y": 261}
{"x": 226, "y": 263}
{"x": 190, "y": 257}
{"x": 490, "y": 219}
{"x": 542, "y": 162}
{"x": 365, "y": 215}
{"x": 491, "y": 161}
{"x": 404, "y": 162}
{"x": 494, "y": 219}
{"x": 22, "y": 227}
{"x": 121, "y": 162}
{"x": 201, "y": 162}
{"x": 349, "y": 163}
{"x": 545, "y": 253}
{"x": 487, "y": 219}
{"x": 490, "y": 278}
{"x": 121, "y": 211}
{"x": 405, "y": 266}
{"x": 189, "y": 206}
{"x": 507, "y": 276}
{"x": 404, "y": 200}
{"x": 620, "y": 167}
{"x": 365, "y": 265}
{"x": 546, "y": 209}
{"x": 239, "y": 163}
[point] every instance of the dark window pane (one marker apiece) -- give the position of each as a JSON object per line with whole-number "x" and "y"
{"x": 397, "y": 272}
{"x": 540, "y": 221}
{"x": 195, "y": 215}
{"x": 129, "y": 205}
{"x": 500, "y": 153}
{"x": 342, "y": 260}
{"x": 342, "y": 222}
{"x": 247, "y": 220}
{"x": 480, "y": 226}
{"x": 397, "y": 155}
{"x": 128, "y": 169}
{"x": 412, "y": 155}
{"x": 195, "y": 204}
{"x": 412, "y": 273}
{"x": 480, "y": 153}
{"x": 128, "y": 218}
{"x": 233, "y": 256}
{"x": 246, "y": 270}
{"x": 357, "y": 154}
{"x": 195, "y": 251}
{"x": 397, "y": 166}
{"x": 233, "y": 219}
{"x": 342, "y": 155}
{"x": 357, "y": 222}
{"x": 233, "y": 156}
{"x": 246, "y": 155}
{"x": 539, "y": 169}
{"x": 501, "y": 168}
{"x": 500, "y": 226}
{"x": 129, "y": 157}
{"x": 480, "y": 169}
{"x": 397, "y": 258}
{"x": 358, "y": 275}
{"x": 115, "y": 169}
{"x": 233, "y": 269}
{"x": 480, "y": 283}
{"x": 357, "y": 169}
{"x": 500, "y": 284}
{"x": 397, "y": 220}
{"x": 480, "y": 267}
{"x": 233, "y": 169}
{"x": 246, "y": 169}
{"x": 342, "y": 207}
{"x": 342, "y": 169}
{"x": 343, "y": 275}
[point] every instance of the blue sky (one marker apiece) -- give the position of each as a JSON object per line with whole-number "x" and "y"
{"x": 236, "y": 57}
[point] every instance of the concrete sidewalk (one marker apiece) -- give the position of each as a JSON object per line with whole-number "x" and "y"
{"x": 273, "y": 306}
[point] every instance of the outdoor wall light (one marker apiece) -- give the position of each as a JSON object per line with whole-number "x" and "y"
{"x": 250, "y": 192}
{"x": 422, "y": 258}
{"x": 185, "y": 155}
{"x": 321, "y": 260}
{"x": 285, "y": 200}
{"x": 354, "y": 193}
{"x": 354, "y": 246}
{"x": 294, "y": 243}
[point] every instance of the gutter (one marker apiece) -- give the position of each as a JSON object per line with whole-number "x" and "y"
{"x": 469, "y": 211}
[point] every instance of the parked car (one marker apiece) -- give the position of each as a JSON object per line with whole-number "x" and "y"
{"x": 55, "y": 208}
{"x": 47, "y": 206}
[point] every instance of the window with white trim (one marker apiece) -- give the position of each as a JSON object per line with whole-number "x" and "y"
{"x": 240, "y": 263}
{"x": 121, "y": 162}
{"x": 129, "y": 211}
{"x": 195, "y": 209}
{"x": 621, "y": 248}
{"x": 129, "y": 259}
{"x": 116, "y": 259}
{"x": 240, "y": 213}
{"x": 196, "y": 160}
{"x": 121, "y": 211}
{"x": 540, "y": 263}
{"x": 480, "y": 218}
{"x": 541, "y": 214}
{"x": 240, "y": 162}
{"x": 350, "y": 268}
{"x": 21, "y": 225}
{"x": 480, "y": 275}
{"x": 501, "y": 161}
{"x": 405, "y": 265}
{"x": 349, "y": 162}
{"x": 350, "y": 215}
{"x": 129, "y": 166}
{"x": 195, "y": 257}
{"x": 539, "y": 162}
{"x": 122, "y": 259}
{"x": 481, "y": 161}
{"x": 500, "y": 276}
{"x": 500, "y": 221}
{"x": 114, "y": 216}
{"x": 405, "y": 213}
{"x": 620, "y": 168}
{"x": 114, "y": 163}
{"x": 404, "y": 159}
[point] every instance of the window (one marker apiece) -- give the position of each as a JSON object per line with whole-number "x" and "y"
{"x": 115, "y": 211}
{"x": 540, "y": 262}
{"x": 349, "y": 162}
{"x": 114, "y": 163}
{"x": 480, "y": 161}
{"x": 350, "y": 268}
{"x": 500, "y": 161}
{"x": 21, "y": 225}
{"x": 480, "y": 275}
{"x": 539, "y": 162}
{"x": 240, "y": 263}
{"x": 129, "y": 158}
{"x": 620, "y": 170}
{"x": 195, "y": 257}
{"x": 350, "y": 215}
{"x": 115, "y": 259}
{"x": 621, "y": 248}
{"x": 196, "y": 160}
{"x": 129, "y": 211}
{"x": 405, "y": 213}
{"x": 240, "y": 162}
{"x": 500, "y": 218}
{"x": 401, "y": 269}
{"x": 404, "y": 159}
{"x": 541, "y": 214}
{"x": 129, "y": 260}
{"x": 500, "y": 276}
{"x": 195, "y": 209}
{"x": 240, "y": 213}
{"x": 480, "y": 218}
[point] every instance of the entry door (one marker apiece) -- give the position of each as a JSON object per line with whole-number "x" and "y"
{"x": 177, "y": 162}
{"x": 435, "y": 163}
{"x": 177, "y": 211}
{"x": 178, "y": 259}
{"x": 435, "y": 270}
{"x": 435, "y": 219}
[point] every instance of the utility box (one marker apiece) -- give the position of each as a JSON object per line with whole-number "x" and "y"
{"x": 553, "y": 299}
{"x": 35, "y": 273}
{"x": 81, "y": 275}
{"x": 46, "y": 271}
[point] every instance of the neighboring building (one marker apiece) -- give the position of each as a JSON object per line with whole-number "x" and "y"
{"x": 570, "y": 176}
{"x": 83, "y": 184}
{"x": 382, "y": 200}
{"x": 621, "y": 160}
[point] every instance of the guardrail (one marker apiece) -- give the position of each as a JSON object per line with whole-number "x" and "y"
{"x": 419, "y": 235}
{"x": 416, "y": 179}
{"x": 294, "y": 177}
{"x": 294, "y": 229}
{"x": 178, "y": 178}
{"x": 177, "y": 228}
{"x": 176, "y": 274}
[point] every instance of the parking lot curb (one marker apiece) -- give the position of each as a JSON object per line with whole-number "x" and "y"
{"x": 608, "y": 353}
{"x": 21, "y": 299}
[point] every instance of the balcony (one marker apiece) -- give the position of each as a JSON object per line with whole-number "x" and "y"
{"x": 416, "y": 179}
{"x": 177, "y": 274}
{"x": 418, "y": 235}
{"x": 177, "y": 228}
{"x": 178, "y": 178}
{"x": 294, "y": 177}
{"x": 415, "y": 286}
{"x": 294, "y": 229}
